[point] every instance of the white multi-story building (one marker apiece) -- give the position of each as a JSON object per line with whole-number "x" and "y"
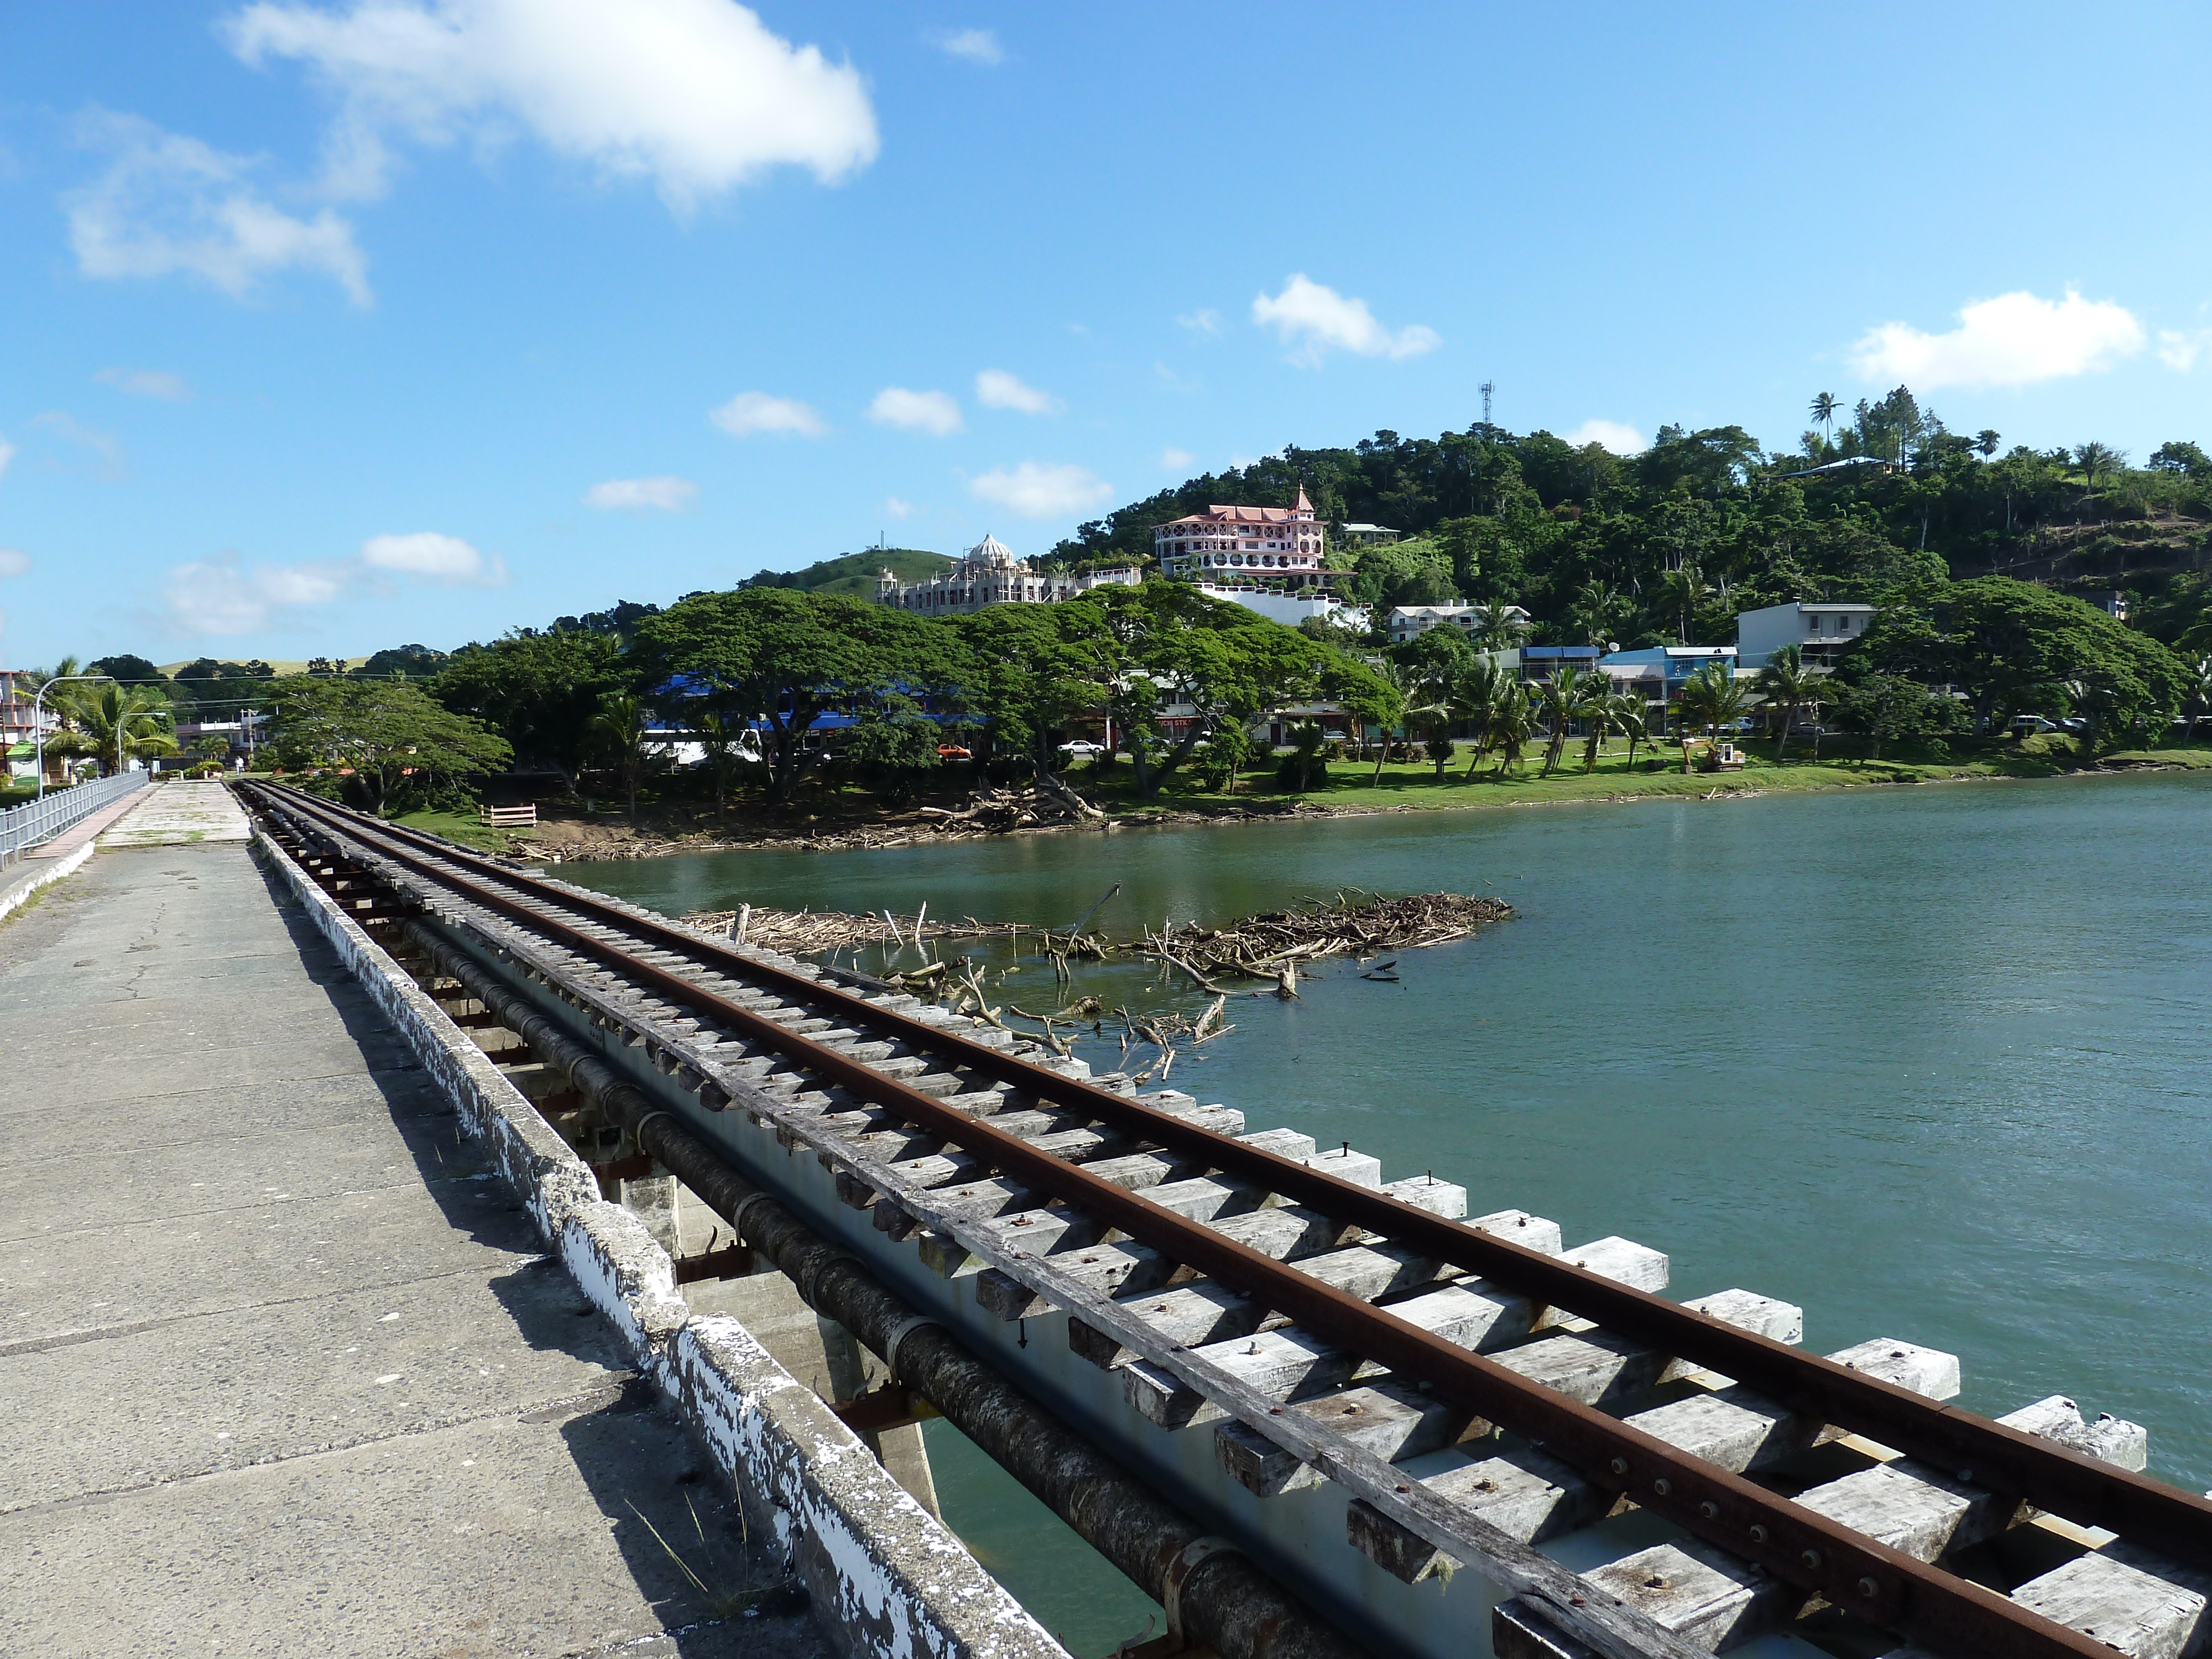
{"x": 1410, "y": 622}
{"x": 989, "y": 574}
{"x": 1819, "y": 630}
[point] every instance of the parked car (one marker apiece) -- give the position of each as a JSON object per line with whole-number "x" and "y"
{"x": 946, "y": 751}
{"x": 1082, "y": 747}
{"x": 2027, "y": 726}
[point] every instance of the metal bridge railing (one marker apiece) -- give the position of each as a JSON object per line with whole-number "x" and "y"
{"x": 22, "y": 828}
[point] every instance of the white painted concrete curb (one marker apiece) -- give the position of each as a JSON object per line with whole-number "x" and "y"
{"x": 885, "y": 1576}
{"x": 56, "y": 868}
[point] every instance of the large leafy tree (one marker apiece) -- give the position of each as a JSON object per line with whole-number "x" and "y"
{"x": 2013, "y": 647}
{"x": 391, "y": 747}
{"x": 787, "y": 658}
{"x": 1165, "y": 645}
{"x": 538, "y": 689}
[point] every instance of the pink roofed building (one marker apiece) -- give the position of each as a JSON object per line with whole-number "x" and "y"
{"x": 1288, "y": 544}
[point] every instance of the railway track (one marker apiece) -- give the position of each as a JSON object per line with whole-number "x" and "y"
{"x": 1464, "y": 1393}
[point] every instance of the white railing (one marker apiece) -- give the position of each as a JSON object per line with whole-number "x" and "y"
{"x": 22, "y": 828}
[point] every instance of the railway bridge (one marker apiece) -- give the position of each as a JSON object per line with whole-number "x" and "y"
{"x": 1309, "y": 1409}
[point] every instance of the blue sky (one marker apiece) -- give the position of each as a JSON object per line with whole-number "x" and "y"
{"x": 338, "y": 325}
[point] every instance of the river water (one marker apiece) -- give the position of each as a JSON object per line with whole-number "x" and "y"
{"x": 1934, "y": 1063}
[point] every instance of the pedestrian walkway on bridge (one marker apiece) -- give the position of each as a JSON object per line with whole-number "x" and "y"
{"x": 285, "y": 1373}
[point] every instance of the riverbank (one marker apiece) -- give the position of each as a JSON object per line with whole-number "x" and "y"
{"x": 851, "y": 821}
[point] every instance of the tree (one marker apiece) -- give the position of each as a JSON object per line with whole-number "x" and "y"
{"x": 618, "y": 731}
{"x": 1166, "y": 643}
{"x": 131, "y": 670}
{"x": 1478, "y": 691}
{"x": 394, "y": 748}
{"x": 788, "y": 658}
{"x": 1686, "y": 589}
{"x": 1825, "y": 407}
{"x": 2184, "y": 459}
{"x": 2093, "y": 458}
{"x": 1887, "y": 707}
{"x": 1224, "y": 754}
{"x": 116, "y": 723}
{"x": 1496, "y": 628}
{"x": 1440, "y": 748}
{"x": 538, "y": 689}
{"x": 1512, "y": 726}
{"x": 2199, "y": 689}
{"x": 895, "y": 753}
{"x": 721, "y": 738}
{"x": 1304, "y": 768}
{"x": 1633, "y": 717}
{"x": 1713, "y": 697}
{"x": 1787, "y": 685}
{"x": 1561, "y": 700}
{"x": 2012, "y": 646}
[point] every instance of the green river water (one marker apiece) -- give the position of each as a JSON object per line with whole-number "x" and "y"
{"x": 1934, "y": 1063}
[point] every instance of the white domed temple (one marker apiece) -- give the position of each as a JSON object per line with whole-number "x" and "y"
{"x": 989, "y": 574}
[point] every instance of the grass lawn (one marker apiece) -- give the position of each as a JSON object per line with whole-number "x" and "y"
{"x": 461, "y": 826}
{"x": 1415, "y": 784}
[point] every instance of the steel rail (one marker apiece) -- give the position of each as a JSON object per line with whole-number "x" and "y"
{"x": 1890, "y": 1588}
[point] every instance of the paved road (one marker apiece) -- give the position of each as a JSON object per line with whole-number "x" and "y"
{"x": 282, "y": 1372}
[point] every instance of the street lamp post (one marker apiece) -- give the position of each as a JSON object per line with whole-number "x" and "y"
{"x": 39, "y": 725}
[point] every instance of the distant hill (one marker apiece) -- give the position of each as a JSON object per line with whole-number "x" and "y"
{"x": 856, "y": 574}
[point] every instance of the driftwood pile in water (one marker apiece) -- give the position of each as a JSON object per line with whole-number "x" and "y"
{"x": 806, "y": 933}
{"x": 1358, "y": 925}
{"x": 997, "y": 811}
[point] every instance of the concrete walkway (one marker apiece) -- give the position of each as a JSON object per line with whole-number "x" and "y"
{"x": 175, "y": 814}
{"x": 284, "y": 1372}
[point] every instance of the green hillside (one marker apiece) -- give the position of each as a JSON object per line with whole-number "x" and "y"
{"x": 856, "y": 574}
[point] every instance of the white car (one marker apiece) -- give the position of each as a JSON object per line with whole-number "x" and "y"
{"x": 1082, "y": 747}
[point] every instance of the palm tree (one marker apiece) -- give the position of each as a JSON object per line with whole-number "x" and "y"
{"x": 2200, "y": 692}
{"x": 2093, "y": 458}
{"x": 1825, "y": 405}
{"x": 1563, "y": 699}
{"x": 1784, "y": 683}
{"x": 618, "y": 731}
{"x": 1511, "y": 725}
{"x": 1303, "y": 769}
{"x": 1479, "y": 688}
{"x": 720, "y": 736}
{"x": 1714, "y": 698}
{"x": 1397, "y": 677}
{"x": 1687, "y": 589}
{"x": 116, "y": 723}
{"x": 1629, "y": 714}
{"x": 1596, "y": 610}
{"x": 1496, "y": 628}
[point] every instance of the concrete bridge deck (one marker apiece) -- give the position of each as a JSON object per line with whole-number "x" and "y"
{"x": 284, "y": 1370}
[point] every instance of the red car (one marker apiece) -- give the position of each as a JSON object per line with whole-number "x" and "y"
{"x": 946, "y": 751}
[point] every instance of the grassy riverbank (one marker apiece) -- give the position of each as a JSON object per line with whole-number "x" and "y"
{"x": 830, "y": 817}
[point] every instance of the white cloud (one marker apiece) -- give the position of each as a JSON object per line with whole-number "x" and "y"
{"x": 147, "y": 383}
{"x": 1318, "y": 318}
{"x": 2014, "y": 339}
{"x": 1037, "y": 491}
{"x": 219, "y": 597}
{"x": 669, "y": 495}
{"x": 7, "y": 454}
{"x": 168, "y": 204}
{"x": 698, "y": 95}
{"x": 916, "y": 411}
{"x": 756, "y": 411}
{"x": 897, "y": 508}
{"x": 996, "y": 389}
{"x": 2180, "y": 352}
{"x": 1615, "y": 436}
{"x": 1176, "y": 460}
{"x": 14, "y": 561}
{"x": 976, "y": 45}
{"x": 1207, "y": 321}
{"x": 434, "y": 557}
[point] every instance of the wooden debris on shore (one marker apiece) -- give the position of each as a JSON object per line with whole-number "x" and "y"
{"x": 1356, "y": 924}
